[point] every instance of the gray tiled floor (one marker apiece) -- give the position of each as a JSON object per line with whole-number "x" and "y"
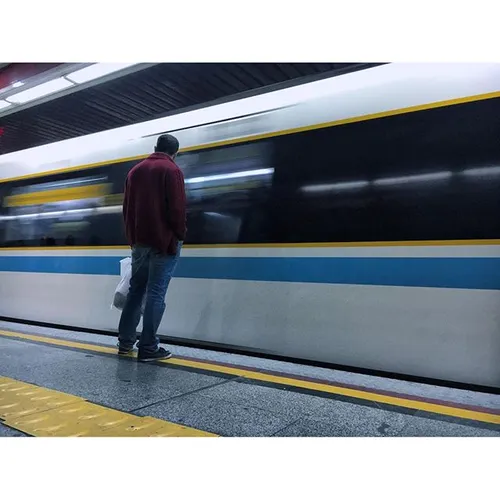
{"x": 417, "y": 426}
{"x": 309, "y": 427}
{"x": 348, "y": 420}
{"x": 219, "y": 416}
{"x": 115, "y": 382}
{"x": 344, "y": 418}
{"x": 374, "y": 425}
{"x": 225, "y": 406}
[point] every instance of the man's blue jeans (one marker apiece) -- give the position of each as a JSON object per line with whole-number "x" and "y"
{"x": 151, "y": 275}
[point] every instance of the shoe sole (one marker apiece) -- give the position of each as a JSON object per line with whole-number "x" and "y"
{"x": 149, "y": 360}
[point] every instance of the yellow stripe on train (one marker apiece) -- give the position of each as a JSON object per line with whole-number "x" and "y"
{"x": 58, "y": 195}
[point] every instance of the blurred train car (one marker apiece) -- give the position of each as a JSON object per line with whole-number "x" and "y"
{"x": 353, "y": 221}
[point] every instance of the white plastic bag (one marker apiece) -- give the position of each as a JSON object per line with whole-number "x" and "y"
{"x": 122, "y": 289}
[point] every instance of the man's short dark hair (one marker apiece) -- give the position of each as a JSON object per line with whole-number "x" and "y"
{"x": 167, "y": 144}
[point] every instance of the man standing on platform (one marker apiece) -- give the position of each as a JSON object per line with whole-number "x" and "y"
{"x": 154, "y": 210}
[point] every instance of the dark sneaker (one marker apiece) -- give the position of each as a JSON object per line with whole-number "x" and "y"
{"x": 123, "y": 350}
{"x": 154, "y": 356}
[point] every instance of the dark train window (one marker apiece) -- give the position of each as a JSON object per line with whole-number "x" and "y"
{"x": 421, "y": 176}
{"x": 65, "y": 210}
{"x": 227, "y": 191}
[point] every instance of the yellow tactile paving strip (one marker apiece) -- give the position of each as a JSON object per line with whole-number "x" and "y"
{"x": 42, "y": 412}
{"x": 279, "y": 380}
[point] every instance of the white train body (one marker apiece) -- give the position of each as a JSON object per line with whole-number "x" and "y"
{"x": 349, "y": 221}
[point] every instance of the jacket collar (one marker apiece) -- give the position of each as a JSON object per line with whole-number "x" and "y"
{"x": 158, "y": 156}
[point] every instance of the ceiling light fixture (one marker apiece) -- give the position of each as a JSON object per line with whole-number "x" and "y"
{"x": 96, "y": 71}
{"x": 4, "y": 104}
{"x": 39, "y": 91}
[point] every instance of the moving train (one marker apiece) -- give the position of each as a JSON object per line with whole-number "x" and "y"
{"x": 353, "y": 220}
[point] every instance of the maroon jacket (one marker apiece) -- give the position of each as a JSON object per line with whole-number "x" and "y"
{"x": 154, "y": 205}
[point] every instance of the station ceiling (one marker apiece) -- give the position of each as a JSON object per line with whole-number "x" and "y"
{"x": 150, "y": 93}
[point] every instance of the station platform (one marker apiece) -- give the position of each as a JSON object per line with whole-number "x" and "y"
{"x": 61, "y": 383}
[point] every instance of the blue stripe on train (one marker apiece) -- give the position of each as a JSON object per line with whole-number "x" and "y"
{"x": 466, "y": 273}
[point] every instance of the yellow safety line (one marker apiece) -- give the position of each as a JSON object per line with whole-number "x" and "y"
{"x": 42, "y": 412}
{"x": 354, "y": 244}
{"x": 59, "y": 342}
{"x": 256, "y": 137}
{"x": 282, "y": 380}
